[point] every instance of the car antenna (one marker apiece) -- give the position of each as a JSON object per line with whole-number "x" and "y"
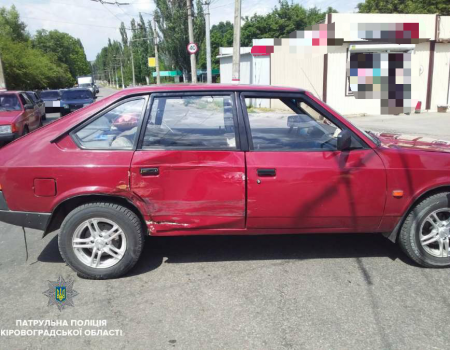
{"x": 25, "y": 240}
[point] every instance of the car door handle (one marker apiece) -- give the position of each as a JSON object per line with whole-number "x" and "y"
{"x": 266, "y": 172}
{"x": 149, "y": 171}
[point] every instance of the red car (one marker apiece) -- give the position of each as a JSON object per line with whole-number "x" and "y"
{"x": 219, "y": 160}
{"x": 18, "y": 115}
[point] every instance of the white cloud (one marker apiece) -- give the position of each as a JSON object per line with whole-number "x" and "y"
{"x": 93, "y": 23}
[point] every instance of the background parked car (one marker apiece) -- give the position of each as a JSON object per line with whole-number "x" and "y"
{"x": 51, "y": 99}
{"x": 39, "y": 104}
{"x": 17, "y": 115}
{"x": 74, "y": 99}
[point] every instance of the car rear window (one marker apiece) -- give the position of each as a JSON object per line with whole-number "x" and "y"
{"x": 77, "y": 95}
{"x": 9, "y": 102}
{"x": 50, "y": 94}
{"x": 115, "y": 129}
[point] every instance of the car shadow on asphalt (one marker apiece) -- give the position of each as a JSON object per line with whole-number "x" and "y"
{"x": 179, "y": 250}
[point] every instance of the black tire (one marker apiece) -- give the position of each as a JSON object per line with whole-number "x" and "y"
{"x": 25, "y": 130}
{"x": 409, "y": 238}
{"x": 128, "y": 221}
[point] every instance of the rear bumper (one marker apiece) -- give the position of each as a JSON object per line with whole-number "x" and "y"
{"x": 37, "y": 221}
{"x": 34, "y": 220}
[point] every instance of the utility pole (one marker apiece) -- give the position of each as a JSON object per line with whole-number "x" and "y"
{"x": 121, "y": 73}
{"x": 2, "y": 76}
{"x": 121, "y": 70}
{"x": 132, "y": 62}
{"x": 191, "y": 39}
{"x": 208, "y": 44}
{"x": 237, "y": 42}
{"x": 117, "y": 78}
{"x": 158, "y": 78}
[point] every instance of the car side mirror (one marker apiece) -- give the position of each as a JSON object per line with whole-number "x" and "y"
{"x": 344, "y": 140}
{"x": 28, "y": 106}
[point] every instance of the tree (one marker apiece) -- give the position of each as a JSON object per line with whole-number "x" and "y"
{"x": 25, "y": 67}
{"x": 281, "y": 22}
{"x": 441, "y": 7}
{"x": 221, "y": 36}
{"x": 11, "y": 26}
{"x": 64, "y": 48}
{"x": 172, "y": 21}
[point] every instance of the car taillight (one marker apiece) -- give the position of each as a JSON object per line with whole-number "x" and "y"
{"x": 14, "y": 128}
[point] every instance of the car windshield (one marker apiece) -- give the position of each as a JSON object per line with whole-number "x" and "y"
{"x": 77, "y": 95}
{"x": 9, "y": 102}
{"x": 49, "y": 94}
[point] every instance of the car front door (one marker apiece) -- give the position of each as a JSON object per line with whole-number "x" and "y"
{"x": 298, "y": 179}
{"x": 188, "y": 167}
{"x": 32, "y": 116}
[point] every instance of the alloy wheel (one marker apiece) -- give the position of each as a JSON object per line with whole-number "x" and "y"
{"x": 435, "y": 233}
{"x": 99, "y": 243}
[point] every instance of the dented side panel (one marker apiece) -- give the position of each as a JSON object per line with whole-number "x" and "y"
{"x": 192, "y": 190}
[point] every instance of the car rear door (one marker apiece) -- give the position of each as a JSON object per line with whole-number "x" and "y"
{"x": 189, "y": 168}
{"x": 297, "y": 179}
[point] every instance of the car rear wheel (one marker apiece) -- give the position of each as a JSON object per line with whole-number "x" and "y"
{"x": 425, "y": 234}
{"x": 101, "y": 240}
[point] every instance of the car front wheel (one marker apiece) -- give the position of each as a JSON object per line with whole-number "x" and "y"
{"x": 425, "y": 234}
{"x": 101, "y": 240}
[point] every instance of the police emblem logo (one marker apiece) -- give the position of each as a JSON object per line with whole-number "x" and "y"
{"x": 61, "y": 293}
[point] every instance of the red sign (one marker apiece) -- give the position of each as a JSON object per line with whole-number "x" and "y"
{"x": 262, "y": 50}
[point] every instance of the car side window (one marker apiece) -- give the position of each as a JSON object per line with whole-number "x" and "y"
{"x": 24, "y": 99}
{"x": 289, "y": 125}
{"x": 115, "y": 129}
{"x": 32, "y": 97}
{"x": 191, "y": 123}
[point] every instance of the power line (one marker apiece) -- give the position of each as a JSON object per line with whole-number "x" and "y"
{"x": 126, "y": 13}
{"x": 103, "y": 4}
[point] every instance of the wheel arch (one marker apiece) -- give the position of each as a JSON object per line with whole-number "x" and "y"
{"x": 67, "y": 205}
{"x": 392, "y": 236}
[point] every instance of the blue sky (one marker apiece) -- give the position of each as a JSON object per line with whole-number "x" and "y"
{"x": 93, "y": 22}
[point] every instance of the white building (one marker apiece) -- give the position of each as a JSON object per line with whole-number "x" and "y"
{"x": 325, "y": 73}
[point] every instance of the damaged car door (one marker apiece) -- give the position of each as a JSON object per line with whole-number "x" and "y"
{"x": 188, "y": 167}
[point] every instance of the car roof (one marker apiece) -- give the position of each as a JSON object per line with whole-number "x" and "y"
{"x": 209, "y": 87}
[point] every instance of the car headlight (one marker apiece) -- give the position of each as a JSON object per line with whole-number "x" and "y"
{"x": 86, "y": 104}
{"x": 5, "y": 129}
{"x": 66, "y": 106}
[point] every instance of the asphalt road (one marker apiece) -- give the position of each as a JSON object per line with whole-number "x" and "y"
{"x": 269, "y": 292}
{"x": 432, "y": 124}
